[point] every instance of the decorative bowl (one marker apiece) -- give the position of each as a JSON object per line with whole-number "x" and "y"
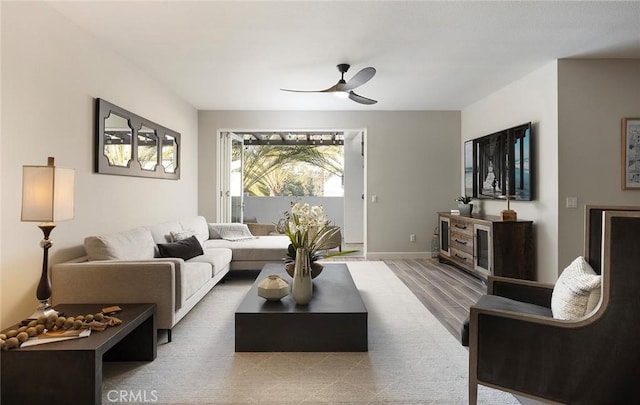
{"x": 316, "y": 269}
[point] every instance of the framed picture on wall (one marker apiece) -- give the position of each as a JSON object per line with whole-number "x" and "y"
{"x": 469, "y": 179}
{"x": 630, "y": 153}
{"x": 501, "y": 164}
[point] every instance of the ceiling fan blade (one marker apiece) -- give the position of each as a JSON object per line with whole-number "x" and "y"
{"x": 360, "y": 78}
{"x": 359, "y": 99}
{"x": 330, "y": 89}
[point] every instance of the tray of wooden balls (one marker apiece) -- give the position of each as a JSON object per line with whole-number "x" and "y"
{"x": 55, "y": 325}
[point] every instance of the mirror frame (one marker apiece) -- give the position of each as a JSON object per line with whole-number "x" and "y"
{"x": 102, "y": 165}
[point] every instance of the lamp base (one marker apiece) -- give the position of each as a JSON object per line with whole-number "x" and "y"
{"x": 508, "y": 215}
{"x": 43, "y": 309}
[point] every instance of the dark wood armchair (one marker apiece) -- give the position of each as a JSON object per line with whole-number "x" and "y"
{"x": 516, "y": 345}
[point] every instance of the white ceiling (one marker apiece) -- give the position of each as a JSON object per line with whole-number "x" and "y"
{"x": 429, "y": 55}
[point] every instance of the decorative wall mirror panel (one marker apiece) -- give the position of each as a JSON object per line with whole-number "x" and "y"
{"x": 130, "y": 145}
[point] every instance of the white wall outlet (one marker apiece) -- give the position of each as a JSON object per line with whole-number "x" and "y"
{"x": 374, "y": 198}
{"x": 412, "y": 237}
{"x": 572, "y": 202}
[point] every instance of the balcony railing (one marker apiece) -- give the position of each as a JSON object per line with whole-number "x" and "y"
{"x": 270, "y": 209}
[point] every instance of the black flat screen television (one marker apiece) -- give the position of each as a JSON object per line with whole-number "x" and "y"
{"x": 500, "y": 164}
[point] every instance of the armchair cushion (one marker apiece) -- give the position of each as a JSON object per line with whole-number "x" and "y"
{"x": 533, "y": 292}
{"x": 577, "y": 291}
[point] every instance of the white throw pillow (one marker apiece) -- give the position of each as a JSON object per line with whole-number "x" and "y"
{"x": 232, "y": 232}
{"x": 577, "y": 291}
{"x": 181, "y": 235}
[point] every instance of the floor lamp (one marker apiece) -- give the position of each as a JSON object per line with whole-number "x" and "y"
{"x": 47, "y": 197}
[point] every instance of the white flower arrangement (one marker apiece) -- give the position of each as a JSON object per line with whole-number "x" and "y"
{"x": 307, "y": 227}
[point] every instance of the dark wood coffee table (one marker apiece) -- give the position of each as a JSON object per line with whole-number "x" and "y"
{"x": 71, "y": 371}
{"x": 334, "y": 321}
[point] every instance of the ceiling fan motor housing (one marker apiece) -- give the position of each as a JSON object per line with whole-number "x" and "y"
{"x": 343, "y": 67}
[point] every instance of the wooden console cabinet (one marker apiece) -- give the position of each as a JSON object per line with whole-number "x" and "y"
{"x": 485, "y": 245}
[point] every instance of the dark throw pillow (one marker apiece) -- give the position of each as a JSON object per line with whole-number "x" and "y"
{"x": 184, "y": 249}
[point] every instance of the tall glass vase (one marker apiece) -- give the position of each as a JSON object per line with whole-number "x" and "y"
{"x": 302, "y": 287}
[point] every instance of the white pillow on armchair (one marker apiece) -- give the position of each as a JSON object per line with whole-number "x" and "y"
{"x": 577, "y": 291}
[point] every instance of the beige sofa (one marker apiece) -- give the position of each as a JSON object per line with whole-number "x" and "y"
{"x": 126, "y": 267}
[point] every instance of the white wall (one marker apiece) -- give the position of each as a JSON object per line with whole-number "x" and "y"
{"x": 404, "y": 158}
{"x": 594, "y": 97}
{"x": 51, "y": 73}
{"x": 353, "y": 189}
{"x": 577, "y": 107}
{"x": 532, "y": 98}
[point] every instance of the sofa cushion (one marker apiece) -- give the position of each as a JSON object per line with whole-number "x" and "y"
{"x": 218, "y": 258}
{"x": 161, "y": 233}
{"x": 194, "y": 276}
{"x": 184, "y": 249}
{"x": 577, "y": 291}
{"x": 134, "y": 244}
{"x": 198, "y": 225}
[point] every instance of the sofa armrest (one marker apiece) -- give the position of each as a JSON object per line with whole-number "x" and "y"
{"x": 532, "y": 292}
{"x": 121, "y": 282}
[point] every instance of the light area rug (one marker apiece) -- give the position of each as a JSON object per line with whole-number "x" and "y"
{"x": 412, "y": 358}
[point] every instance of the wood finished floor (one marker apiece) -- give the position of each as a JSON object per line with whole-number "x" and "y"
{"x": 445, "y": 291}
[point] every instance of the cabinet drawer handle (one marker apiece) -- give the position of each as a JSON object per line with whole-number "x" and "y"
{"x": 462, "y": 242}
{"x": 460, "y": 227}
{"x": 460, "y": 257}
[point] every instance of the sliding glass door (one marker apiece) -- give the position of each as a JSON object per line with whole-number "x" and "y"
{"x": 231, "y": 171}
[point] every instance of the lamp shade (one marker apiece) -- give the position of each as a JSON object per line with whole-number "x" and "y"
{"x": 47, "y": 193}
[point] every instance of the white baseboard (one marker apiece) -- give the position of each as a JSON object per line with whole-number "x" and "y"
{"x": 398, "y": 255}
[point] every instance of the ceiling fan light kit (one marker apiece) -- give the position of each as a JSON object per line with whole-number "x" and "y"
{"x": 344, "y": 89}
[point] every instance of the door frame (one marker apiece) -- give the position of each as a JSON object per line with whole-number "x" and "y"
{"x": 223, "y": 206}
{"x": 221, "y": 168}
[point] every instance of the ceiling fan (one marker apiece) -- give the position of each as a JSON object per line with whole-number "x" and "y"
{"x": 344, "y": 88}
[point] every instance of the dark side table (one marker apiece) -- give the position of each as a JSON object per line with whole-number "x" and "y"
{"x": 71, "y": 371}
